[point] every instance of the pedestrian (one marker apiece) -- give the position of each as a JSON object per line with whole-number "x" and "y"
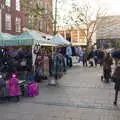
{"x": 85, "y": 56}
{"x": 90, "y": 58}
{"x": 95, "y": 56}
{"x": 107, "y": 67}
{"x": 69, "y": 56}
{"x": 101, "y": 57}
{"x": 116, "y": 80}
{"x": 81, "y": 53}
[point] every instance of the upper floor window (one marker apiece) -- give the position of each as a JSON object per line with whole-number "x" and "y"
{"x": 8, "y": 24}
{"x": 18, "y": 5}
{"x": 8, "y": 3}
{"x": 18, "y": 24}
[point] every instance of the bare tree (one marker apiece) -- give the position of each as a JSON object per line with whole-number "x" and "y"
{"x": 83, "y": 16}
{"x": 34, "y": 10}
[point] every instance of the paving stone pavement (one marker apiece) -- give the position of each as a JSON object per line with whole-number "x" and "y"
{"x": 80, "y": 95}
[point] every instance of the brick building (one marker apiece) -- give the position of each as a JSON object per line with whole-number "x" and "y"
{"x": 42, "y": 23}
{"x": 47, "y": 20}
{"x": 12, "y": 16}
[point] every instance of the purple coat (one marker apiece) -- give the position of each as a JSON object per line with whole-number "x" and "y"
{"x": 13, "y": 87}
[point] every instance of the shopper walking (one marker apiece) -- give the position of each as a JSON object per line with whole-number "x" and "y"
{"x": 116, "y": 79}
{"x": 69, "y": 56}
{"x": 85, "y": 57}
{"x": 107, "y": 67}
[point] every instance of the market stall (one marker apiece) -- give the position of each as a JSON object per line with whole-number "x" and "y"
{"x": 58, "y": 60}
{"x": 22, "y": 47}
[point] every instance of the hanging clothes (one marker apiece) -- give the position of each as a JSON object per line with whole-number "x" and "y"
{"x": 39, "y": 68}
{"x": 13, "y": 87}
{"x": 3, "y": 88}
{"x": 57, "y": 65}
{"x": 46, "y": 66}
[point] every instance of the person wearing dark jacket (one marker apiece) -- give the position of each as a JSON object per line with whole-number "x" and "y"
{"x": 96, "y": 55}
{"x": 116, "y": 80}
{"x": 107, "y": 67}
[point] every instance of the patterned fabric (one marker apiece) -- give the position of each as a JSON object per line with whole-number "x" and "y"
{"x": 58, "y": 64}
{"x": 13, "y": 87}
{"x": 33, "y": 89}
{"x": 46, "y": 66}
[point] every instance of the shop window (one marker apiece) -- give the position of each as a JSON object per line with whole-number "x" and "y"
{"x": 8, "y": 24}
{"x": 18, "y": 24}
{"x": 8, "y": 3}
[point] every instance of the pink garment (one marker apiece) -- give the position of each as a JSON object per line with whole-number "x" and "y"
{"x": 33, "y": 89}
{"x": 13, "y": 87}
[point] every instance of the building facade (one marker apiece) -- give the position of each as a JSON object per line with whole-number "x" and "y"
{"x": 12, "y": 17}
{"x": 47, "y": 20}
{"x": 43, "y": 22}
{"x": 76, "y": 36}
{"x": 108, "y": 32}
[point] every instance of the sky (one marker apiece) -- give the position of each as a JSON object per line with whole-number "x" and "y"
{"x": 112, "y": 7}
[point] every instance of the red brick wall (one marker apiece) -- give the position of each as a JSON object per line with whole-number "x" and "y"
{"x": 14, "y": 14}
{"x": 48, "y": 19}
{"x": 24, "y": 18}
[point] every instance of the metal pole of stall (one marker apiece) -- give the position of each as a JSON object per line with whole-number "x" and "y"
{"x": 52, "y": 81}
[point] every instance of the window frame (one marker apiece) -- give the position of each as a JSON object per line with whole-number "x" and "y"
{"x": 8, "y": 21}
{"x": 18, "y": 24}
{"x": 18, "y": 7}
{"x": 8, "y": 3}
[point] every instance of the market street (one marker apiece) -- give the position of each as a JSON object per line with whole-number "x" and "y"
{"x": 80, "y": 96}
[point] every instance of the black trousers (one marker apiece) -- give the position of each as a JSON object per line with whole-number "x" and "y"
{"x": 96, "y": 61}
{"x": 85, "y": 63}
{"x": 116, "y": 95}
{"x": 117, "y": 88}
{"x": 107, "y": 74}
{"x": 69, "y": 61}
